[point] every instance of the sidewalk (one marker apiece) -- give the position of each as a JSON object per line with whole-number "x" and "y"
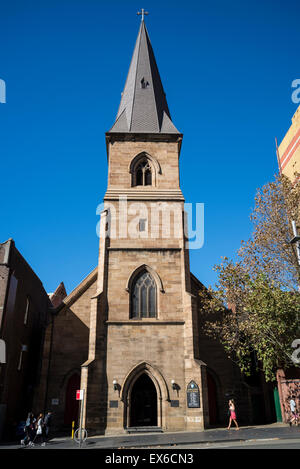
{"x": 160, "y": 440}
{"x": 147, "y": 440}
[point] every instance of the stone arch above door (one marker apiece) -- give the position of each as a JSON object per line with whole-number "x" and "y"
{"x": 160, "y": 385}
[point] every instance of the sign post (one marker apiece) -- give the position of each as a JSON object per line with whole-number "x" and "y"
{"x": 81, "y": 431}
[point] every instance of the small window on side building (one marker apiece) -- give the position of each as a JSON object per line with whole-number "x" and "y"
{"x": 142, "y": 224}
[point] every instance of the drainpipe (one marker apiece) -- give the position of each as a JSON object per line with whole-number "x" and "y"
{"x": 49, "y": 361}
{"x": 279, "y": 376}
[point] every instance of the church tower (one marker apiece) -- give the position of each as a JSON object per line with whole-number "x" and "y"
{"x": 131, "y": 335}
{"x": 143, "y": 368}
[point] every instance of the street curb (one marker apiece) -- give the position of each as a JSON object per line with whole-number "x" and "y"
{"x": 170, "y": 444}
{"x": 162, "y": 445}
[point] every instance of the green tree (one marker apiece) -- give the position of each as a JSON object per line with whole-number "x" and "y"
{"x": 255, "y": 305}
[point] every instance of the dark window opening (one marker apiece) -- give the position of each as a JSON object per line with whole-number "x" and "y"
{"x": 142, "y": 175}
{"x": 139, "y": 177}
{"x": 144, "y": 83}
{"x": 148, "y": 177}
{"x": 142, "y": 224}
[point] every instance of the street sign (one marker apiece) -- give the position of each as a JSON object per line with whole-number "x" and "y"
{"x": 81, "y": 434}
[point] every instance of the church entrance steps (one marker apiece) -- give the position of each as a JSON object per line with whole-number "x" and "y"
{"x": 144, "y": 430}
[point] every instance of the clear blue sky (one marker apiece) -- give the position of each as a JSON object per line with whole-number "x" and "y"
{"x": 227, "y": 68}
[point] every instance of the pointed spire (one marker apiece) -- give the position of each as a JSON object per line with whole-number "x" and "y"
{"x": 143, "y": 107}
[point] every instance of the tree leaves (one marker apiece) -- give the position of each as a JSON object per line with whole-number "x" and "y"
{"x": 256, "y": 304}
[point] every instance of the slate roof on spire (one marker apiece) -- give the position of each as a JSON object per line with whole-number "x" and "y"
{"x": 143, "y": 107}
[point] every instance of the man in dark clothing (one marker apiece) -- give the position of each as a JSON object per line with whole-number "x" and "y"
{"x": 47, "y": 423}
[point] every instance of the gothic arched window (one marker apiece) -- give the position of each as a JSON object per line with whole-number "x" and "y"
{"x": 142, "y": 174}
{"x": 143, "y": 297}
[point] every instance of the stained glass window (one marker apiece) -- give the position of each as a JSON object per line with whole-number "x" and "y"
{"x": 143, "y": 297}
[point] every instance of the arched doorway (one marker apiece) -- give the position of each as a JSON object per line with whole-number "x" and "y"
{"x": 71, "y": 404}
{"x": 143, "y": 403}
{"x": 212, "y": 399}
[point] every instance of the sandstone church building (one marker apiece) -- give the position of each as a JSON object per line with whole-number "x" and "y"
{"x": 130, "y": 335}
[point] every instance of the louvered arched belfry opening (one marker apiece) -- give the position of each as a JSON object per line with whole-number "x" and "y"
{"x": 144, "y": 170}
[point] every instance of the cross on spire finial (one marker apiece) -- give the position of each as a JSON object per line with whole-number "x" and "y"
{"x": 143, "y": 13}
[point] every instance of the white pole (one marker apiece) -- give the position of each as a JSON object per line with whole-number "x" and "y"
{"x": 294, "y": 227}
{"x": 81, "y": 419}
{"x": 297, "y": 242}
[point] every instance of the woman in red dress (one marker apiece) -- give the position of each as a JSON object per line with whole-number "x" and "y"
{"x": 232, "y": 416}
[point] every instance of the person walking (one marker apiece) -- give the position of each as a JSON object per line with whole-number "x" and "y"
{"x": 39, "y": 436}
{"x": 28, "y": 429}
{"x": 47, "y": 424}
{"x": 32, "y": 429}
{"x": 294, "y": 413}
{"x": 232, "y": 414}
